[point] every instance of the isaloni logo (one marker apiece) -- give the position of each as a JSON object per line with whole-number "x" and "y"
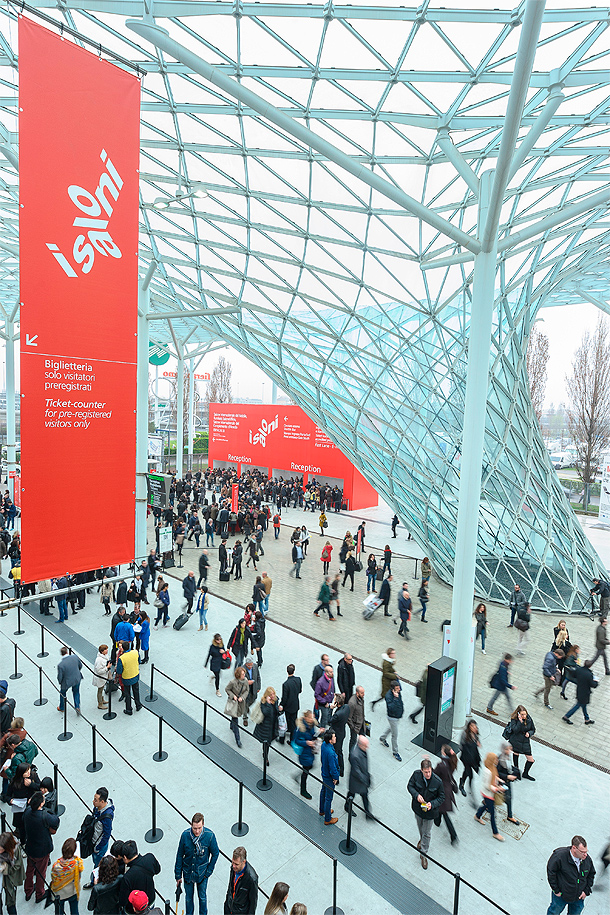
{"x": 265, "y": 429}
{"x": 96, "y": 238}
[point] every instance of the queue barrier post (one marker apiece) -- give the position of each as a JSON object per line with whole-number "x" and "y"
{"x": 19, "y": 630}
{"x": 109, "y": 715}
{"x": 347, "y": 846}
{"x": 65, "y": 734}
{"x": 56, "y": 905}
{"x": 204, "y": 737}
{"x": 59, "y": 808}
{"x": 160, "y": 755}
{"x": 151, "y": 696}
{"x": 240, "y": 828}
{"x": 94, "y": 765}
{"x": 42, "y": 653}
{"x": 456, "y": 894}
{"x": 334, "y": 908}
{"x": 168, "y": 907}
{"x": 41, "y": 700}
{"x": 264, "y": 783}
{"x": 154, "y": 834}
{"x": 3, "y": 821}
{"x": 16, "y": 675}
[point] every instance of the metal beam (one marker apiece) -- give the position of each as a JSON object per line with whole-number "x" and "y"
{"x": 160, "y": 38}
{"x": 195, "y": 313}
{"x": 11, "y": 429}
{"x": 180, "y": 415}
{"x": 536, "y": 130}
{"x": 528, "y": 41}
{"x": 602, "y": 198}
{"x": 457, "y": 160}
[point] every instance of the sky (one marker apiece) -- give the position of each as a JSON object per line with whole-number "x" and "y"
{"x": 564, "y": 326}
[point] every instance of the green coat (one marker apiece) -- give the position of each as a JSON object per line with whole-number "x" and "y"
{"x": 26, "y": 752}
{"x": 324, "y": 595}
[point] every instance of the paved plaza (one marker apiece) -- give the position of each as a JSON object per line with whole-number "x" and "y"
{"x": 385, "y": 875}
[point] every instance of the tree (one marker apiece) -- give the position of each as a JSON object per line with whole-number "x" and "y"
{"x": 589, "y": 409}
{"x": 536, "y": 361}
{"x": 219, "y": 386}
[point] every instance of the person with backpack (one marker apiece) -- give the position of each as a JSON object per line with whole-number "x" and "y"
{"x": 500, "y": 683}
{"x": 327, "y": 551}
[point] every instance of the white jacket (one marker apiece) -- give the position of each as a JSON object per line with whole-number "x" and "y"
{"x": 100, "y": 673}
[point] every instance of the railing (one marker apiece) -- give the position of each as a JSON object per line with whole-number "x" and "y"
{"x": 154, "y": 834}
{"x": 348, "y": 846}
{"x": 265, "y": 783}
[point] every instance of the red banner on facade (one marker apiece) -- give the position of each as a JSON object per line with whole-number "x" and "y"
{"x": 284, "y": 442}
{"x": 79, "y": 125}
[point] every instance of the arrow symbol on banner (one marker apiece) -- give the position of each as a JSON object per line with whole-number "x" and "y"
{"x": 30, "y": 341}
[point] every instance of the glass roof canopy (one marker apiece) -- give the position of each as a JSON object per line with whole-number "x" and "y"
{"x": 354, "y": 301}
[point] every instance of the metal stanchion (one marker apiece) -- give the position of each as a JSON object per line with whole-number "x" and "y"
{"x": 41, "y": 700}
{"x": 59, "y": 808}
{"x": 3, "y": 821}
{"x": 94, "y": 765}
{"x": 204, "y": 738}
{"x": 160, "y": 755}
{"x": 155, "y": 834}
{"x": 168, "y": 908}
{"x": 456, "y": 894}
{"x": 347, "y": 846}
{"x": 264, "y": 783}
{"x": 16, "y": 675}
{"x": 109, "y": 715}
{"x": 19, "y": 630}
{"x": 334, "y": 908}
{"x": 151, "y": 696}
{"x": 65, "y": 734}
{"x": 415, "y": 573}
{"x": 240, "y": 828}
{"x": 42, "y": 653}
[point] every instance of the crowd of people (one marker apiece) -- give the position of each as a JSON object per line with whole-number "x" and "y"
{"x": 315, "y": 729}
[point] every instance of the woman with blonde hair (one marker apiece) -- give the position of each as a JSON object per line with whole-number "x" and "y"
{"x": 276, "y": 904}
{"x": 266, "y": 717}
{"x": 491, "y": 785}
{"x": 299, "y": 908}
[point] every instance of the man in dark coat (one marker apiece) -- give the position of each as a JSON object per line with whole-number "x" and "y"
{"x": 338, "y": 724}
{"x": 427, "y": 795}
{"x": 195, "y": 862}
{"x": 140, "y": 871}
{"x": 188, "y": 590}
{"x": 384, "y": 594}
{"x": 585, "y": 682}
{"x": 291, "y": 690}
{"x": 517, "y": 601}
{"x": 359, "y": 776}
{"x": 404, "y": 608}
{"x": 346, "y": 676}
{"x": 570, "y": 873}
{"x": 204, "y": 563}
{"x": 223, "y": 557}
{"x": 69, "y": 677}
{"x": 37, "y": 825}
{"x": 242, "y": 893}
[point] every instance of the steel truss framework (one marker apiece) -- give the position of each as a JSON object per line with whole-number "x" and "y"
{"x": 358, "y": 161}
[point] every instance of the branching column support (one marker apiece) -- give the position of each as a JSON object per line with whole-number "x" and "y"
{"x": 180, "y": 415}
{"x": 191, "y": 436}
{"x": 475, "y": 411}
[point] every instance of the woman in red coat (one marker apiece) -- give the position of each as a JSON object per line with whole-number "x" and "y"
{"x": 326, "y": 555}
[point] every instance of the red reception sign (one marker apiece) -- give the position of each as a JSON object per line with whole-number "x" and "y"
{"x": 79, "y": 126}
{"x": 285, "y": 442}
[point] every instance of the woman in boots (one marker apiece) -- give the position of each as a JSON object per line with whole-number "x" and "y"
{"x": 470, "y": 754}
{"x": 101, "y": 675}
{"x": 304, "y": 745}
{"x": 518, "y": 732}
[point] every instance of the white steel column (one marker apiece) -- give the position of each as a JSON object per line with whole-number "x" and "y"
{"x": 11, "y": 430}
{"x": 191, "y": 435}
{"x": 156, "y": 397}
{"x": 475, "y": 410}
{"x": 180, "y": 414}
{"x": 140, "y": 545}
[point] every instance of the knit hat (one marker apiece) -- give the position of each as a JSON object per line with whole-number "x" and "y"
{"x": 138, "y": 900}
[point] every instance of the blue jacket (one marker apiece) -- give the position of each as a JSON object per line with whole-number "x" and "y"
{"x": 394, "y": 705}
{"x": 105, "y": 818}
{"x": 196, "y": 856}
{"x": 300, "y": 738}
{"x": 330, "y": 764}
{"x": 404, "y": 607}
{"x": 145, "y": 635}
{"x": 500, "y": 678}
{"x": 124, "y": 632}
{"x": 549, "y": 668}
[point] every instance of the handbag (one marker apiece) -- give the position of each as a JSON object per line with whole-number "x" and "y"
{"x": 325, "y": 524}
{"x": 282, "y": 724}
{"x": 111, "y": 686}
{"x": 225, "y": 660}
{"x": 498, "y": 798}
{"x": 256, "y": 713}
{"x": 298, "y": 749}
{"x": 358, "y": 566}
{"x": 158, "y": 603}
{"x": 521, "y": 625}
{"x": 367, "y": 728}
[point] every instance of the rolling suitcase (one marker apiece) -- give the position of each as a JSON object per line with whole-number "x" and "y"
{"x": 224, "y": 576}
{"x": 181, "y": 620}
{"x": 370, "y": 605}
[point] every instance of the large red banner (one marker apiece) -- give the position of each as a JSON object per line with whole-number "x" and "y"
{"x": 285, "y": 442}
{"x": 79, "y": 122}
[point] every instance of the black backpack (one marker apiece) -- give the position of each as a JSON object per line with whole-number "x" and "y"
{"x": 85, "y": 836}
